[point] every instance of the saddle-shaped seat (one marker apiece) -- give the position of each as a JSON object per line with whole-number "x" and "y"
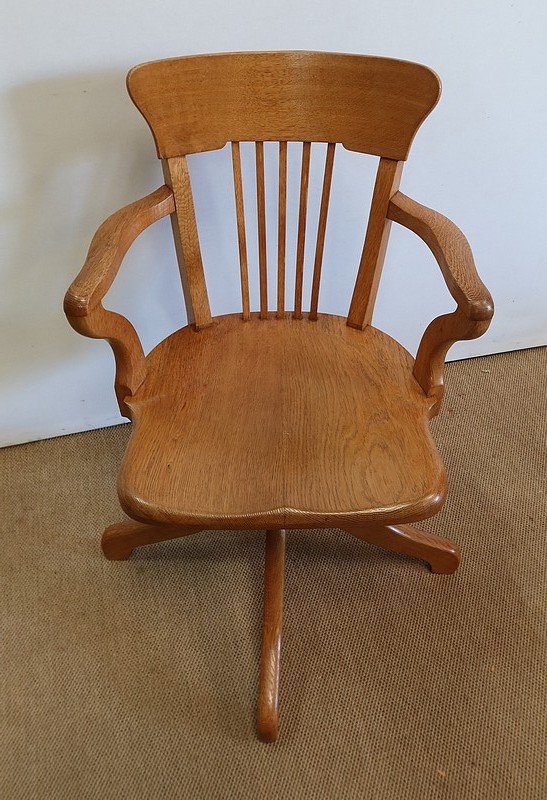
{"x": 279, "y": 423}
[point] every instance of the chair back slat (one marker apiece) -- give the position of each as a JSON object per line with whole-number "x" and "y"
{"x": 321, "y": 230}
{"x": 241, "y": 237}
{"x": 261, "y": 212}
{"x": 281, "y": 228}
{"x": 372, "y": 257}
{"x": 301, "y": 241}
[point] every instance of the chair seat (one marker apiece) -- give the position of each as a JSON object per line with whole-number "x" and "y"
{"x": 280, "y": 423}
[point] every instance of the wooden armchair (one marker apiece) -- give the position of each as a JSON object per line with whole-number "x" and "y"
{"x": 281, "y": 419}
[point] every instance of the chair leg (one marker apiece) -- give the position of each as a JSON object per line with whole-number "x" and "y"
{"x": 268, "y": 693}
{"x": 442, "y": 555}
{"x": 119, "y": 540}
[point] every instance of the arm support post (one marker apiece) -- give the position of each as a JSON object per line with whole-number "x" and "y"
{"x": 475, "y": 307}
{"x": 83, "y": 301}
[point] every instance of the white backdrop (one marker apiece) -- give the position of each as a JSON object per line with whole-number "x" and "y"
{"x": 73, "y": 149}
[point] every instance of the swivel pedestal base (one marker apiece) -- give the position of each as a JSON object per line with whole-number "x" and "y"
{"x": 442, "y": 555}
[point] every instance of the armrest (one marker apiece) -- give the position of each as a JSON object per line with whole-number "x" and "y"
{"x": 475, "y": 307}
{"x": 108, "y": 247}
{"x": 83, "y": 300}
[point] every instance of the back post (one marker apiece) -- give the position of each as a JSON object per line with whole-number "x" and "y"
{"x": 387, "y": 182}
{"x": 185, "y": 234}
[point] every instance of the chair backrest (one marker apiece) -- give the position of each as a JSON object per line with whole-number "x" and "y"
{"x": 198, "y": 103}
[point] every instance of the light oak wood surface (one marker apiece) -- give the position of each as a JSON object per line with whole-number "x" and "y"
{"x": 475, "y": 306}
{"x": 108, "y": 247}
{"x": 301, "y": 239}
{"x": 321, "y": 229}
{"x": 281, "y": 228}
{"x": 82, "y": 304}
{"x": 185, "y": 234}
{"x": 241, "y": 231}
{"x": 286, "y": 418}
{"x": 261, "y": 211}
{"x": 369, "y": 104}
{"x": 280, "y": 422}
{"x": 267, "y": 722}
{"x": 442, "y": 555}
{"x": 374, "y": 248}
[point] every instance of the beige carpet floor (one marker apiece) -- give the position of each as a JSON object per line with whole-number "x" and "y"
{"x": 138, "y": 679}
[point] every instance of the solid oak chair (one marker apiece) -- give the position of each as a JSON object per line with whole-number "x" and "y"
{"x": 281, "y": 419}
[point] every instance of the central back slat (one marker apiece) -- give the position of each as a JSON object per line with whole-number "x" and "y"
{"x": 261, "y": 211}
{"x": 281, "y": 229}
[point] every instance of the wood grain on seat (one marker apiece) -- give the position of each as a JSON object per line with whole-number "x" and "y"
{"x": 280, "y": 422}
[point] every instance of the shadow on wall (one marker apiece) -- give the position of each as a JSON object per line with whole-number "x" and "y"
{"x": 78, "y": 141}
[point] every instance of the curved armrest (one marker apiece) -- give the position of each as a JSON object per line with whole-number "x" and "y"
{"x": 475, "y": 306}
{"x": 83, "y": 305}
{"x": 108, "y": 247}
